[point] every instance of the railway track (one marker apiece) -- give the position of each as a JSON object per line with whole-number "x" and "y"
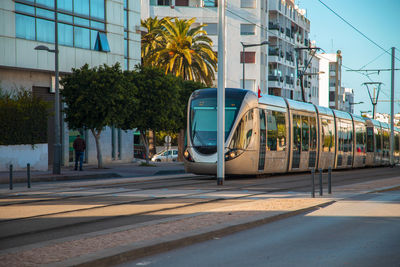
{"x": 49, "y": 213}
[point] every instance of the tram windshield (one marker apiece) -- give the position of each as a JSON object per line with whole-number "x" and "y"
{"x": 203, "y": 117}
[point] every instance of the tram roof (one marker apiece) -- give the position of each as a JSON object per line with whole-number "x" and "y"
{"x": 358, "y": 118}
{"x": 300, "y": 105}
{"x": 342, "y": 114}
{"x": 324, "y": 110}
{"x": 272, "y": 100}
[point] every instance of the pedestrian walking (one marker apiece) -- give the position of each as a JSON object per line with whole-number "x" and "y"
{"x": 79, "y": 147}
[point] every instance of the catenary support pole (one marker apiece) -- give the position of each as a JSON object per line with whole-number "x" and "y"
{"x": 221, "y": 95}
{"x": 28, "y": 174}
{"x": 330, "y": 180}
{"x": 392, "y": 111}
{"x": 312, "y": 183}
{"x": 11, "y": 177}
{"x": 320, "y": 182}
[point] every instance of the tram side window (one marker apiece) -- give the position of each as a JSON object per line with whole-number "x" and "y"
{"x": 360, "y": 138}
{"x": 370, "y": 139}
{"x": 305, "y": 132}
{"x": 281, "y": 125}
{"x": 313, "y": 133}
{"x": 378, "y": 138}
{"x": 276, "y": 130}
{"x": 386, "y": 140}
{"x": 349, "y": 136}
{"x": 396, "y": 142}
{"x": 243, "y": 133}
{"x": 296, "y": 132}
{"x": 327, "y": 137}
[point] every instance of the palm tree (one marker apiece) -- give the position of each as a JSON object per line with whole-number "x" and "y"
{"x": 153, "y": 40}
{"x": 184, "y": 51}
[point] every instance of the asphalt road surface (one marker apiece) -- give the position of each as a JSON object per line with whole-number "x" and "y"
{"x": 362, "y": 231}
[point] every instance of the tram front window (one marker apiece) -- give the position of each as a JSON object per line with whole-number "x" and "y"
{"x": 203, "y": 118}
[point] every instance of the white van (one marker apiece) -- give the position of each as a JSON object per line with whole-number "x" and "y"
{"x": 166, "y": 155}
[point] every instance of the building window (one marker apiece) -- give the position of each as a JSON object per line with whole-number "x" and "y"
{"x": 163, "y": 2}
{"x": 211, "y": 28}
{"x": 210, "y": 3}
{"x": 248, "y": 4}
{"x": 80, "y": 22}
{"x": 247, "y": 29}
{"x": 249, "y": 57}
{"x": 331, "y": 96}
{"x": 182, "y": 2}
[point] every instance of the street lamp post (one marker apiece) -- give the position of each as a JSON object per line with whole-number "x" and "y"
{"x": 244, "y": 57}
{"x": 57, "y": 143}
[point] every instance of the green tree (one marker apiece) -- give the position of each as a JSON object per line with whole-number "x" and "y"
{"x": 183, "y": 50}
{"x": 157, "y": 97}
{"x": 95, "y": 98}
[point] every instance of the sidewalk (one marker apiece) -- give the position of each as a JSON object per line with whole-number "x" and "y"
{"x": 116, "y": 245}
{"x": 111, "y": 170}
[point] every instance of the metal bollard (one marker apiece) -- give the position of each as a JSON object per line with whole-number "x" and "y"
{"x": 28, "y": 173}
{"x": 330, "y": 180}
{"x": 312, "y": 183}
{"x": 320, "y": 182}
{"x": 11, "y": 176}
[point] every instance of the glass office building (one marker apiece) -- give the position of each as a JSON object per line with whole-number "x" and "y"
{"x": 93, "y": 32}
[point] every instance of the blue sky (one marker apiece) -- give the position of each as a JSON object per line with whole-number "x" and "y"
{"x": 377, "y": 19}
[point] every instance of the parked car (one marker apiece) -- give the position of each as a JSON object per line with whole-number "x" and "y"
{"x": 166, "y": 155}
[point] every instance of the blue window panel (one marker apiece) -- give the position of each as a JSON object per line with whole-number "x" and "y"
{"x": 102, "y": 42}
{"x": 126, "y": 4}
{"x": 44, "y": 13}
{"x": 45, "y": 30}
{"x": 48, "y": 3}
{"x": 125, "y": 19}
{"x": 65, "y": 5}
{"x": 81, "y": 22}
{"x": 24, "y": 8}
{"x": 65, "y": 18}
{"x": 125, "y": 35}
{"x": 93, "y": 39}
{"x": 97, "y": 9}
{"x": 65, "y": 34}
{"x": 125, "y": 64}
{"x": 81, "y": 7}
{"x": 25, "y": 27}
{"x": 97, "y": 25}
{"x": 82, "y": 37}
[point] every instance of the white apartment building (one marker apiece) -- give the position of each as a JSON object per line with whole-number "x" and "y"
{"x": 89, "y": 31}
{"x": 349, "y": 99}
{"x": 331, "y": 93}
{"x": 289, "y": 35}
{"x": 246, "y": 22}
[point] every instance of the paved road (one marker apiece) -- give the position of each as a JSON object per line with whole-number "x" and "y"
{"x": 363, "y": 231}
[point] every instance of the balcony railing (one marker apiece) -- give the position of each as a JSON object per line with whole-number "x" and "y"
{"x": 273, "y": 51}
{"x": 273, "y": 26}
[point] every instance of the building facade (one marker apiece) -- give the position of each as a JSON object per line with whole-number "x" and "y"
{"x": 288, "y": 38}
{"x": 246, "y": 23}
{"x": 349, "y": 100}
{"x": 95, "y": 32}
{"x": 331, "y": 93}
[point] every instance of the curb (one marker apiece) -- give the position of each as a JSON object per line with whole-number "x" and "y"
{"x": 62, "y": 178}
{"x": 132, "y": 252}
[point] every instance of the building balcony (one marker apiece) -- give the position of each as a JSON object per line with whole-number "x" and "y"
{"x": 273, "y": 51}
{"x": 273, "y": 26}
{"x": 183, "y": 3}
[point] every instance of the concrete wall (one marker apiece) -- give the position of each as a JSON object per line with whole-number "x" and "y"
{"x": 20, "y": 155}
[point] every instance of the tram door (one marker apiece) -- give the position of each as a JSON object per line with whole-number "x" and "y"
{"x": 276, "y": 149}
{"x": 263, "y": 141}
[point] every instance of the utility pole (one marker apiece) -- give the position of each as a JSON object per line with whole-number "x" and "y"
{"x": 392, "y": 111}
{"x": 300, "y": 74}
{"x": 374, "y": 98}
{"x": 221, "y": 95}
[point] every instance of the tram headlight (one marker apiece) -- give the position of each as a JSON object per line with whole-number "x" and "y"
{"x": 231, "y": 154}
{"x": 187, "y": 156}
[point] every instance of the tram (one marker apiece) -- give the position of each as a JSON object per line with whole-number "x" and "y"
{"x": 273, "y": 134}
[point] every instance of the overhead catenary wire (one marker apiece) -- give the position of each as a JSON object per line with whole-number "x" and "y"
{"x": 357, "y": 30}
